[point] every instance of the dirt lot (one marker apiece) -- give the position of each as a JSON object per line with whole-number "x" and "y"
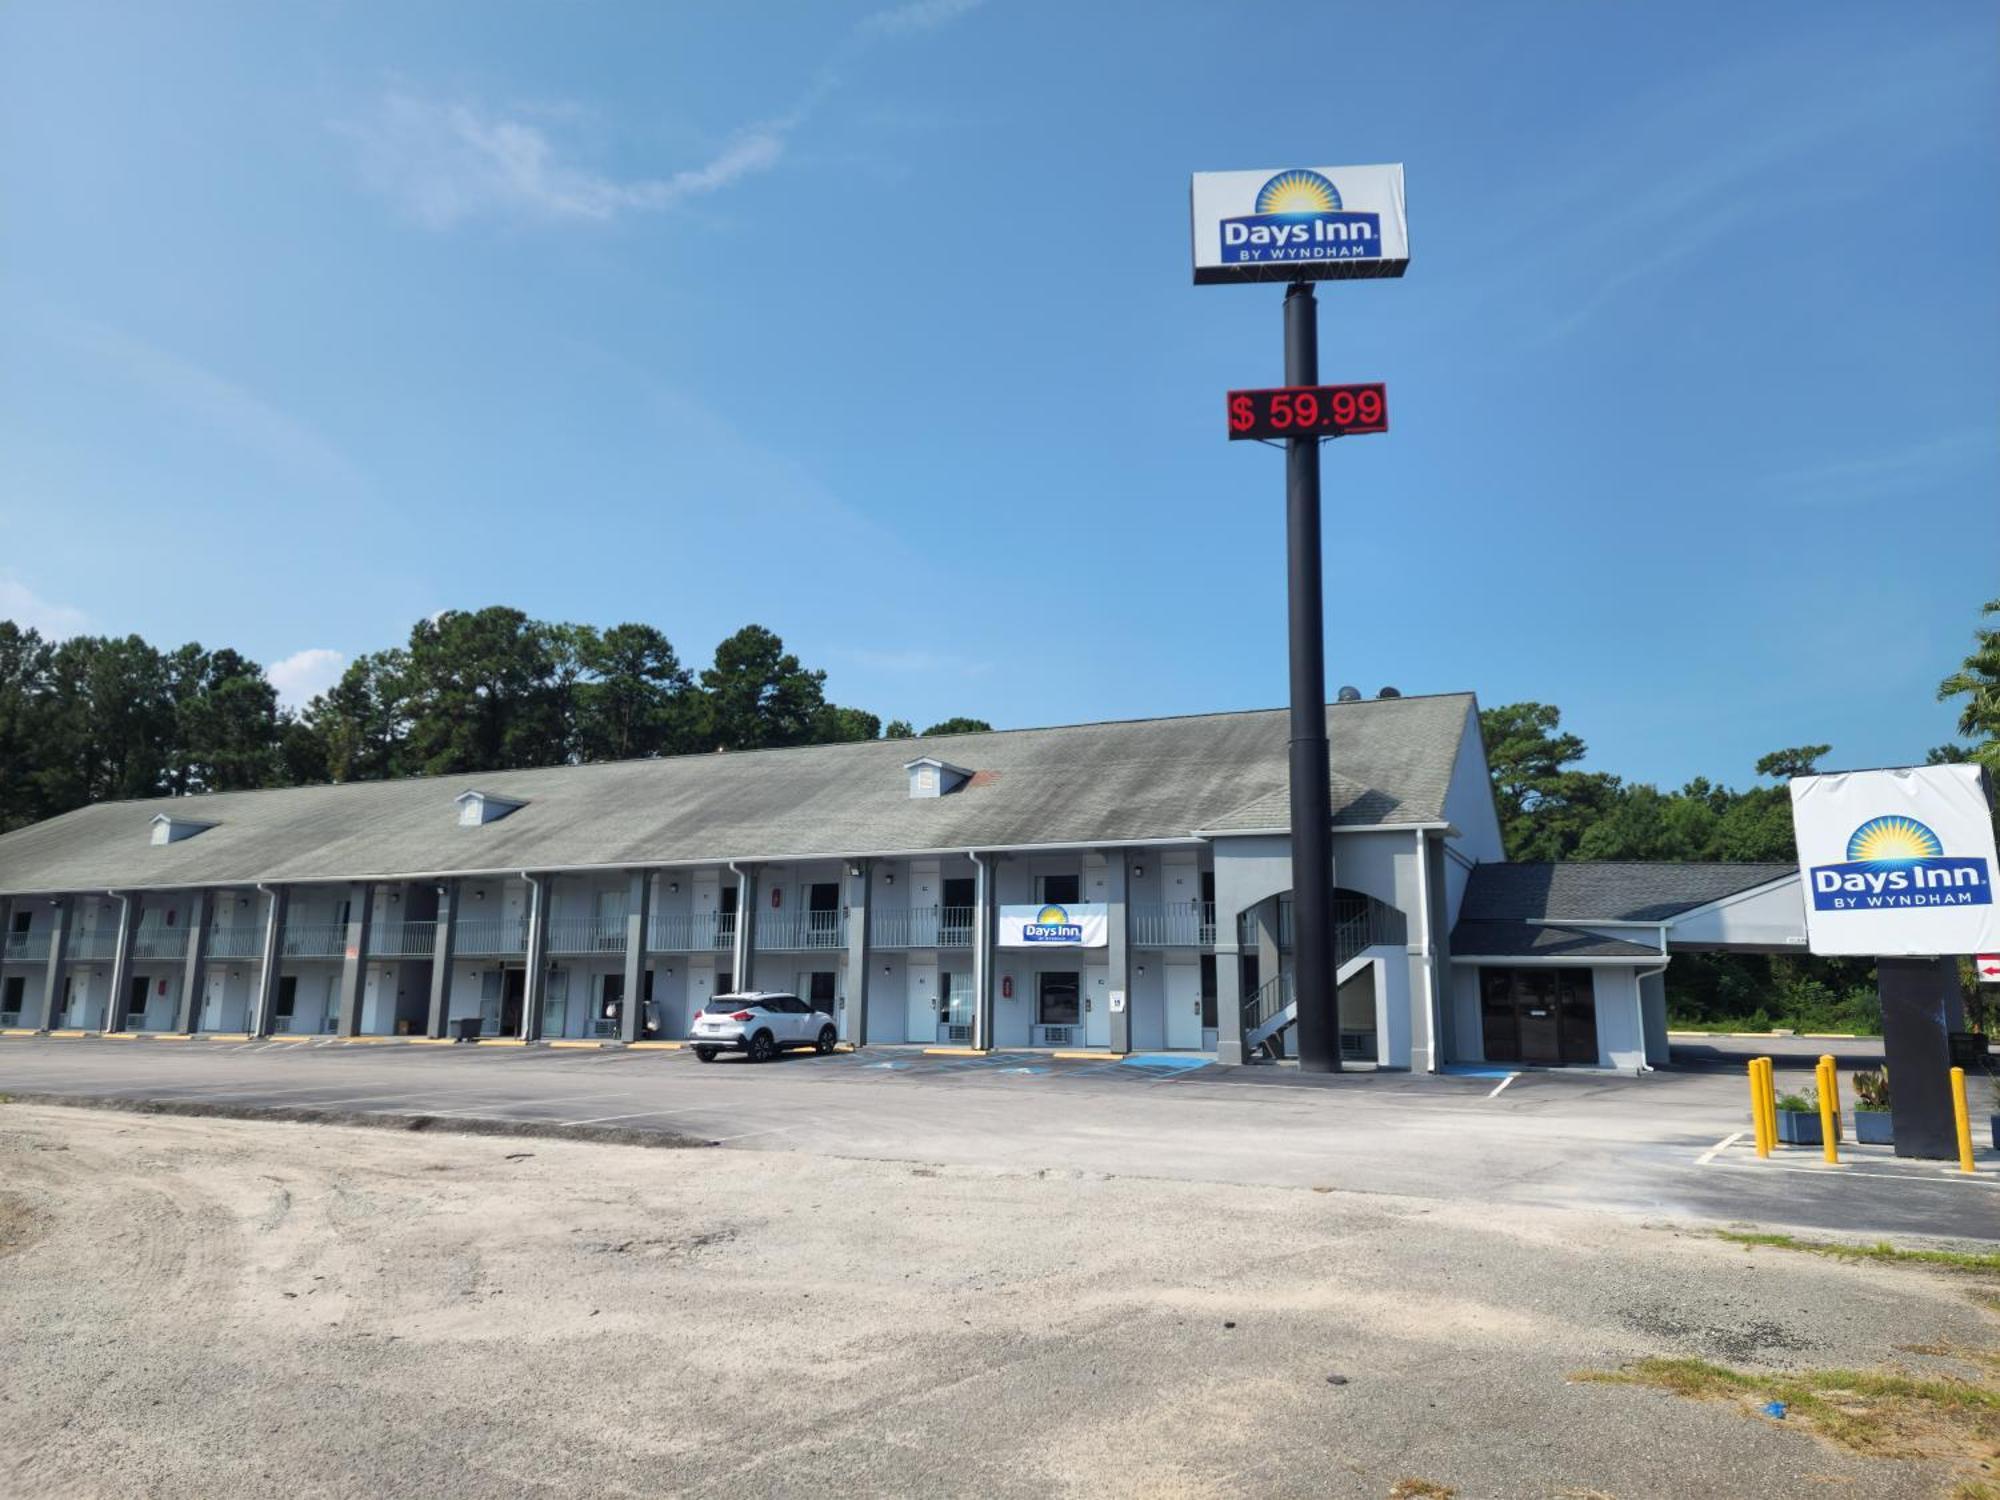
{"x": 210, "y": 1308}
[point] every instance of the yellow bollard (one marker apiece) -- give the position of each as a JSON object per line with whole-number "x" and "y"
{"x": 1757, "y": 1106}
{"x": 1963, "y": 1120}
{"x": 1767, "y": 1101}
{"x": 1829, "y": 1107}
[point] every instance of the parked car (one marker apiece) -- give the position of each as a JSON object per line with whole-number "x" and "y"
{"x": 760, "y": 1024}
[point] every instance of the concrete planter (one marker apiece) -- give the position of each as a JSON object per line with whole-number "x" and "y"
{"x": 1871, "y": 1127}
{"x": 1799, "y": 1127}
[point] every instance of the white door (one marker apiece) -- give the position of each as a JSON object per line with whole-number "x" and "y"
{"x": 1096, "y": 1011}
{"x": 1183, "y": 1007}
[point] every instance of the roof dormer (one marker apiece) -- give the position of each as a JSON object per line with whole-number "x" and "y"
{"x": 931, "y": 777}
{"x": 476, "y": 808}
{"x": 168, "y": 829}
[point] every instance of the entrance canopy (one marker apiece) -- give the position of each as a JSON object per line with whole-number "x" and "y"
{"x": 1612, "y": 913}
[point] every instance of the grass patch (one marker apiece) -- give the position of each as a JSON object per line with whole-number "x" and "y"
{"x": 1957, "y": 1260}
{"x": 1879, "y": 1413}
{"x": 1420, "y": 1489}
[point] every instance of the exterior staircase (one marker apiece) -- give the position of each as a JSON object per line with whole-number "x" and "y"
{"x": 1360, "y": 923}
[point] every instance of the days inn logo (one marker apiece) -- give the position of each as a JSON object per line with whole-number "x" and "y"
{"x": 1897, "y": 862}
{"x": 1051, "y": 925}
{"x": 1299, "y": 217}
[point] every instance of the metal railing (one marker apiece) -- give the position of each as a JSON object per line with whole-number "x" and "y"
{"x": 315, "y": 939}
{"x": 1179, "y": 924}
{"x": 1269, "y": 998}
{"x": 94, "y": 946}
{"x": 586, "y": 935}
{"x": 403, "y": 940}
{"x": 1359, "y": 922}
{"x": 792, "y": 930}
{"x": 27, "y": 947}
{"x": 159, "y": 941}
{"x": 241, "y": 941}
{"x": 485, "y": 936}
{"x": 922, "y": 927}
{"x": 690, "y": 931}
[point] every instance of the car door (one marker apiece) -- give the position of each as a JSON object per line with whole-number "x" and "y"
{"x": 786, "y": 1021}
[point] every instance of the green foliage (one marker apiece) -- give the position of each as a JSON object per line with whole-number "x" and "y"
{"x": 1806, "y": 1103}
{"x": 960, "y": 726}
{"x": 1871, "y": 1088}
{"x": 1978, "y": 681}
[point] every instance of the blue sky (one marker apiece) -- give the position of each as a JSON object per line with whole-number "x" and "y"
{"x": 873, "y": 323}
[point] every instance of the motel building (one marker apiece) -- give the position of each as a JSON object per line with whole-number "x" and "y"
{"x": 1115, "y": 888}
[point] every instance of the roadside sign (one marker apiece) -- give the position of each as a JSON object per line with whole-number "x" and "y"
{"x": 1299, "y": 224}
{"x": 1988, "y": 965}
{"x": 1897, "y": 863}
{"x": 1309, "y": 411}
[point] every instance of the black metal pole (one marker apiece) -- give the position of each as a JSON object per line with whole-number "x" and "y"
{"x": 1318, "y": 1028}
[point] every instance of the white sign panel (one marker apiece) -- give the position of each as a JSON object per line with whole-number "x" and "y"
{"x": 1076, "y": 925}
{"x": 1897, "y": 862}
{"x": 1299, "y": 224}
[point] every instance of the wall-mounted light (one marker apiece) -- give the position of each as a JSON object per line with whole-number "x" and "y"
{"x": 479, "y": 894}
{"x": 854, "y": 869}
{"x": 890, "y": 878}
{"x": 673, "y": 887}
{"x": 1138, "y": 872}
{"x": 887, "y": 971}
{"x": 1142, "y": 968}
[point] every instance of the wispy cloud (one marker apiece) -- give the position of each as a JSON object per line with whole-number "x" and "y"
{"x": 304, "y": 674}
{"x": 912, "y": 661}
{"x": 449, "y": 161}
{"x": 1908, "y": 469}
{"x": 31, "y": 611}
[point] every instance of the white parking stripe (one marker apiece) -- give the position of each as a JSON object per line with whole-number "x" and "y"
{"x": 1502, "y": 1084}
{"x": 1722, "y": 1145}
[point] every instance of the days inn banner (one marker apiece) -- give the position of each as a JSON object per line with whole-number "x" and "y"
{"x": 1071, "y": 925}
{"x": 1898, "y": 863}
{"x": 1299, "y": 224}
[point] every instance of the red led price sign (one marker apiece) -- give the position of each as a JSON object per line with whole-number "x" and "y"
{"x": 1309, "y": 411}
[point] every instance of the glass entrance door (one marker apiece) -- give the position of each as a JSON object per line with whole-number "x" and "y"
{"x": 1541, "y": 1017}
{"x": 955, "y": 1007}
{"x": 1058, "y": 1008}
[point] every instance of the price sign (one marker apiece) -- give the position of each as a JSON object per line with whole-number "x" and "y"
{"x": 1309, "y": 411}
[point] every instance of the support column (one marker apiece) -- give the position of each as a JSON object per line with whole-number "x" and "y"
{"x": 194, "y": 963}
{"x": 1921, "y": 1006}
{"x": 354, "y": 959}
{"x": 52, "y": 978}
{"x": 1118, "y": 955}
{"x": 121, "y": 962}
{"x": 638, "y": 927}
{"x": 1228, "y": 986}
{"x": 745, "y": 955}
{"x": 271, "y": 959}
{"x": 534, "y": 990}
{"x": 982, "y": 952}
{"x": 444, "y": 951}
{"x": 860, "y": 953}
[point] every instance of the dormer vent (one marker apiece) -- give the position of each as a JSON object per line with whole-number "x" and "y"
{"x": 931, "y": 777}
{"x": 476, "y": 808}
{"x": 167, "y": 829}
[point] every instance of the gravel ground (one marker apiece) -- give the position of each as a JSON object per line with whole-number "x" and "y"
{"x": 216, "y": 1308}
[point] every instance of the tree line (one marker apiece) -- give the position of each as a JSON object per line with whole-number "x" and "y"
{"x": 93, "y": 718}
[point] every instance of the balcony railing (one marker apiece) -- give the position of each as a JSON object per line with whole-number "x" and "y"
{"x": 1179, "y": 924}
{"x": 691, "y": 931}
{"x": 793, "y": 930}
{"x": 240, "y": 941}
{"x": 485, "y": 936}
{"x": 159, "y": 942}
{"x": 922, "y": 927}
{"x": 586, "y": 935}
{"x": 27, "y": 947}
{"x": 315, "y": 939}
{"x": 94, "y": 946}
{"x": 403, "y": 940}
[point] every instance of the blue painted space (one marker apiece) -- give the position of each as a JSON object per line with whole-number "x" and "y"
{"x": 1478, "y": 1070}
{"x": 1172, "y": 1061}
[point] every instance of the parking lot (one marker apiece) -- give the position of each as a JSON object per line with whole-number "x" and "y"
{"x": 1669, "y": 1144}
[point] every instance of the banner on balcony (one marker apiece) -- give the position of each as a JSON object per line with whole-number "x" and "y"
{"x": 1078, "y": 925}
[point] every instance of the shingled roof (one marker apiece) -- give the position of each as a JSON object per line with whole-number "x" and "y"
{"x": 1136, "y": 780}
{"x": 1606, "y": 891}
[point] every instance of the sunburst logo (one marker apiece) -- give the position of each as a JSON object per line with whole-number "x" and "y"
{"x": 1298, "y": 215}
{"x": 1893, "y": 840}
{"x": 1298, "y": 192}
{"x": 1051, "y": 916}
{"x": 1052, "y": 924}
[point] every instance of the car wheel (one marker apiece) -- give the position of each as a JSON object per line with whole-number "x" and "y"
{"x": 704, "y": 1054}
{"x": 827, "y": 1037}
{"x": 762, "y": 1047}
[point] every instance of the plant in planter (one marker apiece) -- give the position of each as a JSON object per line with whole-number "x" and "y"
{"x": 1993, "y": 1120}
{"x": 1798, "y": 1119}
{"x": 1871, "y": 1107}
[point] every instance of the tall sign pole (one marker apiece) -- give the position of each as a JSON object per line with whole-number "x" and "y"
{"x": 1312, "y": 798}
{"x": 1299, "y": 226}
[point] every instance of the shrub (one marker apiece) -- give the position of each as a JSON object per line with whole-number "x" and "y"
{"x": 1871, "y": 1089}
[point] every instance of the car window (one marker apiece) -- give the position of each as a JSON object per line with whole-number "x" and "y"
{"x": 795, "y": 1006}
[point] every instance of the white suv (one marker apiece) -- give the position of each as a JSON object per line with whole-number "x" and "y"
{"x": 760, "y": 1024}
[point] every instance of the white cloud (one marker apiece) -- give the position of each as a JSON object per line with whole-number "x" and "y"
{"x": 31, "y": 611}
{"x": 447, "y": 162}
{"x": 304, "y": 674}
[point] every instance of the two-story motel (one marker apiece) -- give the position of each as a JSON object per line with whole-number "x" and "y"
{"x": 1117, "y": 887}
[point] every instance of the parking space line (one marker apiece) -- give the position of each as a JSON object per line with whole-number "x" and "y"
{"x": 1722, "y": 1145}
{"x": 637, "y": 1114}
{"x": 1502, "y": 1084}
